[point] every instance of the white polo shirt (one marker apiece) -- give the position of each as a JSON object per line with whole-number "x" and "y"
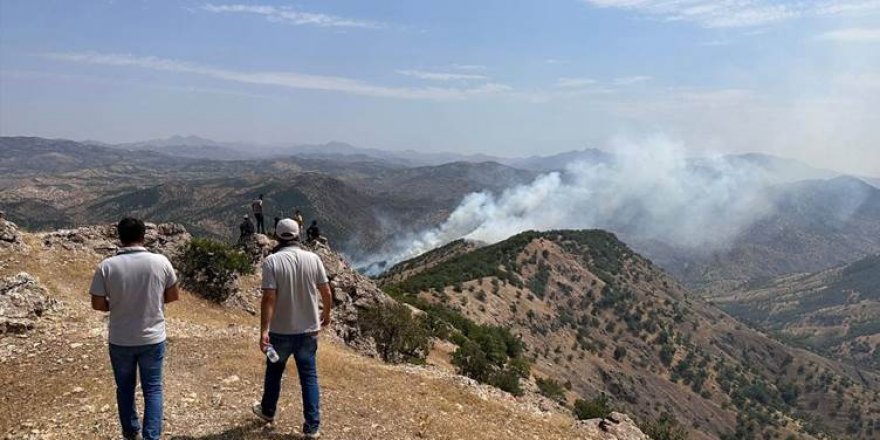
{"x": 295, "y": 274}
{"x": 134, "y": 282}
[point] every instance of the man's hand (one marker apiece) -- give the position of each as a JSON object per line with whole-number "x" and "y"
{"x": 264, "y": 341}
{"x": 267, "y": 310}
{"x": 100, "y": 303}
{"x": 326, "y": 303}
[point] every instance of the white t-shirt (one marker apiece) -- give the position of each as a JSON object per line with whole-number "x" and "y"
{"x": 295, "y": 274}
{"x": 134, "y": 282}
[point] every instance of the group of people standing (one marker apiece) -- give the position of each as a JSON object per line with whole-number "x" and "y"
{"x": 247, "y": 228}
{"x": 135, "y": 284}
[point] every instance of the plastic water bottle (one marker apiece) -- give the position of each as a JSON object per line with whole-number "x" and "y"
{"x": 272, "y": 354}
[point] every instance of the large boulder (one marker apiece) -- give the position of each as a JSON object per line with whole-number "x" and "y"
{"x": 165, "y": 238}
{"x": 23, "y": 300}
{"x": 10, "y": 237}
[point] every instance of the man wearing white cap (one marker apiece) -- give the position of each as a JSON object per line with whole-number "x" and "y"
{"x": 290, "y": 321}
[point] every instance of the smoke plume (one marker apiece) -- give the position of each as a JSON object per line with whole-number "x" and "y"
{"x": 651, "y": 190}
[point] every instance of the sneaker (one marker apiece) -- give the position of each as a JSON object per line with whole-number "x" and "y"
{"x": 310, "y": 433}
{"x": 258, "y": 411}
{"x": 135, "y": 436}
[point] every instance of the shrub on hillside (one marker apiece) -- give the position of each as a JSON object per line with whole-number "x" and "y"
{"x": 473, "y": 361}
{"x": 596, "y": 408}
{"x": 551, "y": 389}
{"x": 488, "y": 354}
{"x": 400, "y": 335}
{"x": 666, "y": 427}
{"x": 211, "y": 268}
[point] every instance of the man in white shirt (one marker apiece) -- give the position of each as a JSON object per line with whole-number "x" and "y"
{"x": 290, "y": 321}
{"x": 134, "y": 286}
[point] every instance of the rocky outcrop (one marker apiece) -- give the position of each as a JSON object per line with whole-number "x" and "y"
{"x": 10, "y": 237}
{"x": 165, "y": 238}
{"x": 23, "y": 300}
{"x": 616, "y": 426}
{"x": 352, "y": 292}
{"x": 256, "y": 247}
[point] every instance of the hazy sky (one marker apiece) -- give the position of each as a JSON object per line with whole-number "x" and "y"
{"x": 798, "y": 78}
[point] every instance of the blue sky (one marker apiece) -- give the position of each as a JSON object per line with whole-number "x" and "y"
{"x": 513, "y": 77}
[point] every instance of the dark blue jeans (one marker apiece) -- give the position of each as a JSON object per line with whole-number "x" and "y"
{"x": 126, "y": 362}
{"x": 304, "y": 348}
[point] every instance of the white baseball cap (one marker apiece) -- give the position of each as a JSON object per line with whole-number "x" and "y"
{"x": 287, "y": 229}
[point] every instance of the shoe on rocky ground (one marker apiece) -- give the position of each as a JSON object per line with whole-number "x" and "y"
{"x": 258, "y": 411}
{"x": 310, "y": 434}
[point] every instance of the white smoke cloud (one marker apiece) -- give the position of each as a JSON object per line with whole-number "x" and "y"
{"x": 651, "y": 191}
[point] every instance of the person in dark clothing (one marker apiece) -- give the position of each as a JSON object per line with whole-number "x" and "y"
{"x": 257, "y": 207}
{"x": 246, "y": 228}
{"x": 313, "y": 233}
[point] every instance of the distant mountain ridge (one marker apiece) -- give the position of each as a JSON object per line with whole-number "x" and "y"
{"x": 198, "y": 147}
{"x": 814, "y": 225}
{"x": 835, "y": 311}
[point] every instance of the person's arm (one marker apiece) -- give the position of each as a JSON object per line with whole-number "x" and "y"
{"x": 327, "y": 303}
{"x": 267, "y": 305}
{"x": 98, "y": 291}
{"x": 100, "y": 303}
{"x": 171, "y": 294}
{"x": 267, "y": 311}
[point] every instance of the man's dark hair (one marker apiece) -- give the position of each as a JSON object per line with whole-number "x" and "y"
{"x": 261, "y": 197}
{"x": 314, "y": 223}
{"x": 131, "y": 230}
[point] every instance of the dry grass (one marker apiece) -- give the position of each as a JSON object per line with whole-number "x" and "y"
{"x": 52, "y": 387}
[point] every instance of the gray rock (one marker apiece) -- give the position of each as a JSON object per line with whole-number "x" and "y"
{"x": 165, "y": 238}
{"x": 23, "y": 300}
{"x": 10, "y": 237}
{"x": 616, "y": 426}
{"x": 352, "y": 292}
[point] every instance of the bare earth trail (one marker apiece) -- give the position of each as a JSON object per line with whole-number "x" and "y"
{"x": 55, "y": 381}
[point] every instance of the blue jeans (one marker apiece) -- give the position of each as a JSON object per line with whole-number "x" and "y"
{"x": 303, "y": 347}
{"x": 126, "y": 362}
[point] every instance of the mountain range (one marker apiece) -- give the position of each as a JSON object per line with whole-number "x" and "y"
{"x": 367, "y": 203}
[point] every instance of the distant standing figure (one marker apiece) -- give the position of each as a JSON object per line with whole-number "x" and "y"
{"x": 246, "y": 228}
{"x": 294, "y": 285}
{"x": 298, "y": 218}
{"x": 257, "y": 207}
{"x": 134, "y": 286}
{"x": 313, "y": 233}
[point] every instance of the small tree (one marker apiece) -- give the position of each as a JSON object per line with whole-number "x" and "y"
{"x": 211, "y": 268}
{"x": 551, "y": 389}
{"x": 666, "y": 427}
{"x": 400, "y": 335}
{"x": 597, "y": 408}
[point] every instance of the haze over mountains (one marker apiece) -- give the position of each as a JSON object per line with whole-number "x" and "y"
{"x": 712, "y": 222}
